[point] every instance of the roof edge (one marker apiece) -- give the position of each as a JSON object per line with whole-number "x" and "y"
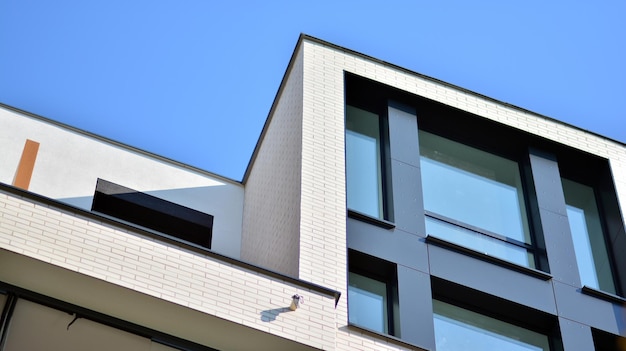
{"x": 270, "y": 115}
{"x": 119, "y": 144}
{"x": 450, "y": 85}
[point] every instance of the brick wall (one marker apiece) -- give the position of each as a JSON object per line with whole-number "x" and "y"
{"x": 164, "y": 271}
{"x": 271, "y": 216}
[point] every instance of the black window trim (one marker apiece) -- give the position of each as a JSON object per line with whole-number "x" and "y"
{"x": 498, "y": 308}
{"x": 484, "y": 232}
{"x": 602, "y": 183}
{"x": 433, "y": 240}
{"x": 380, "y": 270}
{"x": 381, "y": 109}
{"x": 371, "y": 220}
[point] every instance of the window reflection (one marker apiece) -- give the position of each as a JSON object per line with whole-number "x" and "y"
{"x": 590, "y": 246}
{"x": 477, "y": 189}
{"x": 479, "y": 242}
{"x": 363, "y": 162}
{"x": 368, "y": 303}
{"x": 460, "y": 329}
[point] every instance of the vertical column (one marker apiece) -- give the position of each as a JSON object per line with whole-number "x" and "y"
{"x": 559, "y": 246}
{"x": 414, "y": 288}
{"x": 416, "y": 308}
{"x": 405, "y": 162}
{"x": 576, "y": 336}
{"x": 554, "y": 223}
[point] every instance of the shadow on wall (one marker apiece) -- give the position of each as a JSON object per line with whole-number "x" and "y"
{"x": 223, "y": 202}
{"x": 205, "y": 199}
{"x": 270, "y": 315}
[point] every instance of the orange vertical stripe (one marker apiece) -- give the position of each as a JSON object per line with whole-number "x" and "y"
{"x": 27, "y": 164}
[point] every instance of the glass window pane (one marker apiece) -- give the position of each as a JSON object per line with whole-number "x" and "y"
{"x": 589, "y": 240}
{"x": 363, "y": 162}
{"x": 479, "y": 242}
{"x": 367, "y": 303}
{"x": 473, "y": 186}
{"x": 460, "y": 329}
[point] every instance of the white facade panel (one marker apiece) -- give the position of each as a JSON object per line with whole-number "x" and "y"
{"x": 69, "y": 163}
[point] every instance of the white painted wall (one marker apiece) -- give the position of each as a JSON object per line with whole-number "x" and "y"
{"x": 69, "y": 163}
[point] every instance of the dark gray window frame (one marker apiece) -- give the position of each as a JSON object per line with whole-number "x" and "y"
{"x": 381, "y": 109}
{"x": 575, "y": 165}
{"x": 457, "y": 125}
{"x": 498, "y": 308}
{"x": 382, "y": 271}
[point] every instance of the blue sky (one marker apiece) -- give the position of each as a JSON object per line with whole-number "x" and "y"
{"x": 194, "y": 80}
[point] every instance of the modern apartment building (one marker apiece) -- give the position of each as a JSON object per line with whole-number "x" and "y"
{"x": 381, "y": 210}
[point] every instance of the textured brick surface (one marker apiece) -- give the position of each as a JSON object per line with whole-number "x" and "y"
{"x": 271, "y": 216}
{"x": 164, "y": 271}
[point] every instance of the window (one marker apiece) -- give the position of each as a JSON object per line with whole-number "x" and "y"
{"x": 592, "y": 256}
{"x": 364, "y": 163}
{"x": 153, "y": 213}
{"x": 368, "y": 303}
{"x": 475, "y": 199}
{"x": 372, "y": 293}
{"x": 461, "y": 329}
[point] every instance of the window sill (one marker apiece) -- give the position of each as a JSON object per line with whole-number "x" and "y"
{"x": 387, "y": 337}
{"x": 371, "y": 220}
{"x": 488, "y": 258}
{"x": 602, "y": 295}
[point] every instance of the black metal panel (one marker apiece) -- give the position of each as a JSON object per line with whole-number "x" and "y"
{"x": 478, "y": 274}
{"x": 589, "y": 310}
{"x": 416, "y": 312}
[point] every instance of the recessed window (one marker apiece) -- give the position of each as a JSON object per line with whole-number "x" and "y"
{"x": 364, "y": 163}
{"x": 372, "y": 293}
{"x": 457, "y": 328}
{"x": 368, "y": 303}
{"x": 475, "y": 199}
{"x": 590, "y": 247}
{"x": 154, "y": 213}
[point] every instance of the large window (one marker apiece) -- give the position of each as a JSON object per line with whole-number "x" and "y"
{"x": 460, "y": 329}
{"x": 590, "y": 247}
{"x": 475, "y": 199}
{"x": 364, "y": 163}
{"x": 372, "y": 293}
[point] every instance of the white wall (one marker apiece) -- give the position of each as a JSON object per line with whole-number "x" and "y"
{"x": 271, "y": 223}
{"x": 69, "y": 163}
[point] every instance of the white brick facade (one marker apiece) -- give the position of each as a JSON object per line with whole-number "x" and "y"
{"x": 271, "y": 217}
{"x": 164, "y": 271}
